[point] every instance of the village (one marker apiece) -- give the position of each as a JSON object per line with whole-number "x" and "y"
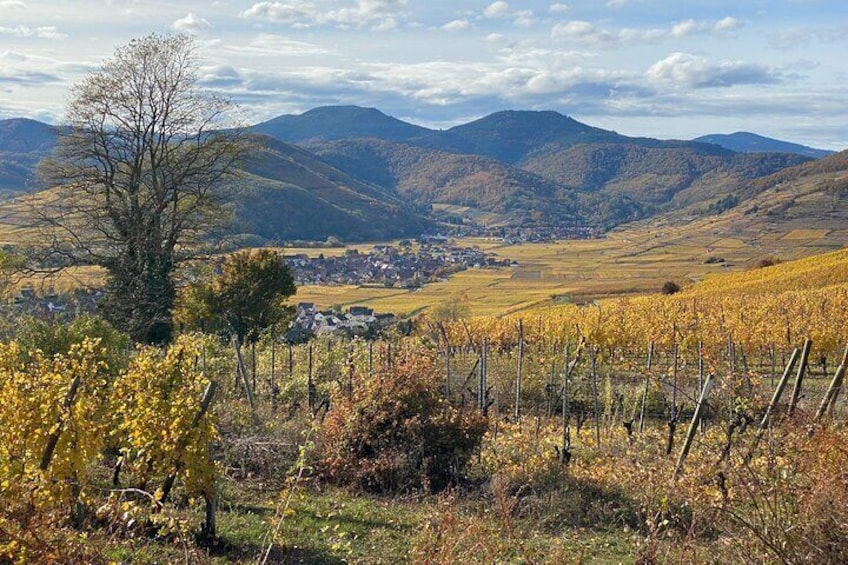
{"x": 400, "y": 266}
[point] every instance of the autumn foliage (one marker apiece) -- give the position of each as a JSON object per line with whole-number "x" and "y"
{"x": 393, "y": 430}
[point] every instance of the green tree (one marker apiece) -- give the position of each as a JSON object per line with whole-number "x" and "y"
{"x": 247, "y": 296}
{"x": 139, "y": 171}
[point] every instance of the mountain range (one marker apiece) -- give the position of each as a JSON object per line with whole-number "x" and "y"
{"x": 747, "y": 142}
{"x": 358, "y": 174}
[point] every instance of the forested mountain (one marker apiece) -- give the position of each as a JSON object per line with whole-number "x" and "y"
{"x": 23, "y": 143}
{"x": 287, "y": 193}
{"x": 746, "y": 142}
{"x": 360, "y": 174}
{"x": 338, "y": 122}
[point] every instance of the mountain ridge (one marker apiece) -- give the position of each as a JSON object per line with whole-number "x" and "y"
{"x": 359, "y": 173}
{"x": 747, "y": 142}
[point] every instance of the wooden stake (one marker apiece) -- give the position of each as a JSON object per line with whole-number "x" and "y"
{"x": 796, "y": 390}
{"x": 242, "y": 372}
{"x": 595, "y": 397}
{"x": 53, "y": 440}
{"x": 647, "y": 384}
{"x": 833, "y": 390}
{"x": 517, "y": 411}
{"x": 773, "y": 404}
{"x": 690, "y": 435}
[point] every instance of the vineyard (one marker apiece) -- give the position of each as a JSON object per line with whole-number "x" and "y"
{"x": 703, "y": 426}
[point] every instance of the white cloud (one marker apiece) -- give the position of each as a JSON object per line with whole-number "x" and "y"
{"x": 271, "y": 45}
{"x": 686, "y": 70}
{"x": 727, "y": 24}
{"x": 558, "y": 8}
{"x": 191, "y": 23}
{"x": 13, "y": 56}
{"x": 380, "y": 14}
{"x": 803, "y": 36}
{"x": 457, "y": 25}
{"x": 582, "y": 31}
{"x": 43, "y": 32}
{"x": 524, "y": 18}
{"x": 12, "y": 4}
{"x": 499, "y": 9}
{"x": 688, "y": 27}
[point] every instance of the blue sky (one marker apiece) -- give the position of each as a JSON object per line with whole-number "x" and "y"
{"x": 660, "y": 68}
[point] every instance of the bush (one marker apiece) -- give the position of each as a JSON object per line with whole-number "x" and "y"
{"x": 670, "y": 287}
{"x": 766, "y": 262}
{"x": 396, "y": 432}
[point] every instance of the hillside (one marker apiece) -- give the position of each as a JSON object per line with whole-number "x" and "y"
{"x": 552, "y": 168}
{"x": 338, "y": 122}
{"x": 746, "y": 142}
{"x": 287, "y": 193}
{"x": 360, "y": 174}
{"x": 23, "y": 143}
{"x": 428, "y": 176}
{"x": 792, "y": 213}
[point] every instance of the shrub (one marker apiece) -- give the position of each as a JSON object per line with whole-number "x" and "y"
{"x": 766, "y": 262}
{"x": 670, "y": 287}
{"x": 395, "y": 432}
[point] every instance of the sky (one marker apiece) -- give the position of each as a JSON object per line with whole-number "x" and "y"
{"x": 659, "y": 68}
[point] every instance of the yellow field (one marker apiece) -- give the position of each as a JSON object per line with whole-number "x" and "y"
{"x": 632, "y": 261}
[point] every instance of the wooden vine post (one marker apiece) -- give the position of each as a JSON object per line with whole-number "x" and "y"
{"x": 673, "y": 416}
{"x": 597, "y": 409}
{"x": 647, "y": 385}
{"x": 444, "y": 335}
{"x": 693, "y": 426}
{"x": 517, "y": 411}
{"x": 832, "y": 393}
{"x": 565, "y": 453}
{"x": 310, "y": 384}
{"x": 242, "y": 372}
{"x": 205, "y": 403}
{"x": 799, "y": 378}
{"x": 773, "y": 404}
{"x": 53, "y": 439}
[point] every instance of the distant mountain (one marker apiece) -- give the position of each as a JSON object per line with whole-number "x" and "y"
{"x": 509, "y": 136}
{"x": 796, "y": 208}
{"x": 357, "y": 173}
{"x": 22, "y": 135}
{"x": 427, "y": 176}
{"x": 543, "y": 167}
{"x": 287, "y": 193}
{"x": 338, "y": 122}
{"x": 745, "y": 142}
{"x": 23, "y": 143}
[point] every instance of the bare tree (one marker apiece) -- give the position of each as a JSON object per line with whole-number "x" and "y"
{"x": 139, "y": 174}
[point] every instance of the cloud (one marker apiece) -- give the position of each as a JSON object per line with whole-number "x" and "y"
{"x": 191, "y": 23}
{"x": 457, "y": 25}
{"x": 271, "y": 45}
{"x": 686, "y": 70}
{"x": 558, "y": 8}
{"x": 524, "y": 18}
{"x": 44, "y": 32}
{"x": 801, "y": 37}
{"x": 12, "y": 4}
{"x": 380, "y": 14}
{"x": 579, "y": 31}
{"x": 727, "y": 24}
{"x": 499, "y": 9}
